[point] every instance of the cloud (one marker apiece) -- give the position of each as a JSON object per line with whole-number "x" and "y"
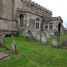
{"x": 58, "y": 7}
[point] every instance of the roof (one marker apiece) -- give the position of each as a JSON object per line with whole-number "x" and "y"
{"x": 38, "y": 6}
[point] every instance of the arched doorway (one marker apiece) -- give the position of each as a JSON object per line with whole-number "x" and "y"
{"x": 37, "y": 23}
{"x": 21, "y": 20}
{"x": 1, "y": 8}
{"x": 59, "y": 28}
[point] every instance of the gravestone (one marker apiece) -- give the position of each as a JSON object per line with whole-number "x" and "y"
{"x": 14, "y": 50}
{"x": 43, "y": 38}
{"x": 56, "y": 39}
{"x": 38, "y": 37}
{"x": 65, "y": 41}
{"x": 3, "y": 55}
{"x": 47, "y": 34}
{"x": 54, "y": 42}
{"x": 30, "y": 35}
{"x": 1, "y": 40}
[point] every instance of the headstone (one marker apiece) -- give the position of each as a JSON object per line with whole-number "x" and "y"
{"x": 30, "y": 35}
{"x": 14, "y": 50}
{"x": 43, "y": 38}
{"x": 54, "y": 42}
{"x": 55, "y": 39}
{"x": 1, "y": 40}
{"x": 65, "y": 41}
{"x": 3, "y": 55}
{"x": 38, "y": 37}
{"x": 47, "y": 34}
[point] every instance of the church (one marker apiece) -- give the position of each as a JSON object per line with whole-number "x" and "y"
{"x": 26, "y": 15}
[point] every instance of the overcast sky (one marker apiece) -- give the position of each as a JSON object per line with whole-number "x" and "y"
{"x": 58, "y": 7}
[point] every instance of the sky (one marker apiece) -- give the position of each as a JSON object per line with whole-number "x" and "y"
{"x": 58, "y": 8}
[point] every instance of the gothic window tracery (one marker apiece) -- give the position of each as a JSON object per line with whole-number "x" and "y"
{"x": 37, "y": 23}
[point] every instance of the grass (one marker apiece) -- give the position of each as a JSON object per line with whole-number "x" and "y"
{"x": 34, "y": 54}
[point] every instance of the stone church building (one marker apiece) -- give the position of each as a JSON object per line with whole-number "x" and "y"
{"x": 24, "y": 15}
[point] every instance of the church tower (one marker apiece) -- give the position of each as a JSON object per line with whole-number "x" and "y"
{"x": 6, "y": 14}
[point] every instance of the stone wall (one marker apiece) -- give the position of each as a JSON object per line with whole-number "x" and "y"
{"x": 55, "y": 23}
{"x": 7, "y": 8}
{"x": 5, "y": 25}
{"x": 10, "y": 10}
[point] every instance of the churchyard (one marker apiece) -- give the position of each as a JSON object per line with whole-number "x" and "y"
{"x": 23, "y": 52}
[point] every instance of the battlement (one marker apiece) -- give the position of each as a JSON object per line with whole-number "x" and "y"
{"x": 31, "y": 3}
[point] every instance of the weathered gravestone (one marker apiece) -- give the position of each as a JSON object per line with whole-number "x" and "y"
{"x": 30, "y": 35}
{"x": 43, "y": 38}
{"x": 65, "y": 41}
{"x": 38, "y": 37}
{"x": 14, "y": 50}
{"x": 56, "y": 39}
{"x": 47, "y": 34}
{"x": 1, "y": 40}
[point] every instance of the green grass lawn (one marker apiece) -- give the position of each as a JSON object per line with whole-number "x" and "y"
{"x": 34, "y": 54}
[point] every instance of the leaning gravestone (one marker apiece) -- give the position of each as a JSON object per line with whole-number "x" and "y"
{"x": 14, "y": 50}
{"x": 55, "y": 39}
{"x": 1, "y": 40}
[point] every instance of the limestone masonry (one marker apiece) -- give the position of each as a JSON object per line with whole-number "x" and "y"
{"x": 24, "y": 15}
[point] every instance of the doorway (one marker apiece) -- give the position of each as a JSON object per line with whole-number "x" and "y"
{"x": 21, "y": 20}
{"x": 59, "y": 28}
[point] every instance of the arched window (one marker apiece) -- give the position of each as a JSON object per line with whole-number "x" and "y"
{"x": 37, "y": 23}
{"x": 21, "y": 20}
{"x": 50, "y": 26}
{"x": 46, "y": 27}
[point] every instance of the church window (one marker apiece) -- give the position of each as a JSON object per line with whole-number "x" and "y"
{"x": 46, "y": 27}
{"x": 50, "y": 25}
{"x": 37, "y": 23}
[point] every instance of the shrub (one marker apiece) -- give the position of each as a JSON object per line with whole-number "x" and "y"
{"x": 49, "y": 41}
{"x": 35, "y": 37}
